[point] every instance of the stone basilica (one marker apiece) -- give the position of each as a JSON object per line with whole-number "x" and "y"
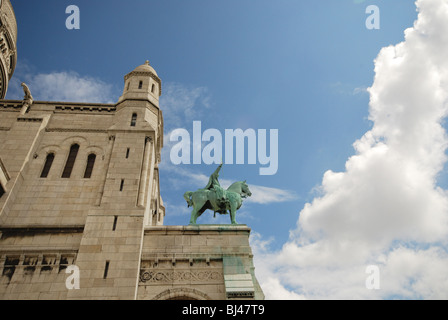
{"x": 81, "y": 216}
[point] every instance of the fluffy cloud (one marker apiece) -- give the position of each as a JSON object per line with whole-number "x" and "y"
{"x": 385, "y": 209}
{"x": 63, "y": 86}
{"x": 264, "y": 195}
{"x": 182, "y": 104}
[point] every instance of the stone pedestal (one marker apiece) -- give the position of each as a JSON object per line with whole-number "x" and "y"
{"x": 197, "y": 262}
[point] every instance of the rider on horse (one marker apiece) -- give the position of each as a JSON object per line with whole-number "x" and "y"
{"x": 214, "y": 197}
{"x": 213, "y": 185}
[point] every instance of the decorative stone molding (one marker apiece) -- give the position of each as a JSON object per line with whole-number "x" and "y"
{"x": 75, "y": 130}
{"x": 12, "y": 231}
{"x": 240, "y": 295}
{"x": 23, "y": 119}
{"x": 86, "y": 108}
{"x": 23, "y": 264}
{"x": 8, "y": 39}
{"x": 9, "y": 104}
{"x": 179, "y": 276}
{"x": 181, "y": 293}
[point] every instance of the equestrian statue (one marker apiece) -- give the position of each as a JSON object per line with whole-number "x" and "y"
{"x": 215, "y": 198}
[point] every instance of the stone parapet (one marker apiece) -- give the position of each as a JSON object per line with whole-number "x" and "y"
{"x": 213, "y": 260}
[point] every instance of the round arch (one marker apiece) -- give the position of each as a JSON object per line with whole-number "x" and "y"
{"x": 181, "y": 294}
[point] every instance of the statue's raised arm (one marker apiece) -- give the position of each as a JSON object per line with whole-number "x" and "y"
{"x": 214, "y": 179}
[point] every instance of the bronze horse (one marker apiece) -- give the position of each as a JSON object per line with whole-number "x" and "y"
{"x": 204, "y": 199}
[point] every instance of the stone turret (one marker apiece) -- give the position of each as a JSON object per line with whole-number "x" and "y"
{"x": 142, "y": 83}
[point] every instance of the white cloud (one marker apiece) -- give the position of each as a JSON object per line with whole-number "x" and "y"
{"x": 64, "y": 86}
{"x": 177, "y": 209}
{"x": 182, "y": 104}
{"x": 260, "y": 194}
{"x": 385, "y": 209}
{"x": 347, "y": 89}
{"x": 265, "y": 195}
{"x": 360, "y": 90}
{"x": 416, "y": 274}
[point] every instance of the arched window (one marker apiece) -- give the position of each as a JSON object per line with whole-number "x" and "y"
{"x": 134, "y": 120}
{"x": 140, "y": 84}
{"x": 70, "y": 161}
{"x": 89, "y": 167}
{"x": 152, "y": 88}
{"x": 47, "y": 166}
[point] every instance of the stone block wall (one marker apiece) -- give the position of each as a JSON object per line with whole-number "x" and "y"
{"x": 192, "y": 262}
{"x": 95, "y": 222}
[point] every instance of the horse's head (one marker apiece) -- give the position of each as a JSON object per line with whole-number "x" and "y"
{"x": 241, "y": 188}
{"x": 245, "y": 189}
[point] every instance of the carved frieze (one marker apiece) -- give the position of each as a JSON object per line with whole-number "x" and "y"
{"x": 179, "y": 276}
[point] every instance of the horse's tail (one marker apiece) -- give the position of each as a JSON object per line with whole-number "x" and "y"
{"x": 187, "y": 197}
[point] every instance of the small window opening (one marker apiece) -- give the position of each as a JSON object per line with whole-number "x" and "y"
{"x": 106, "y": 269}
{"x": 63, "y": 263}
{"x": 152, "y": 88}
{"x": 44, "y": 269}
{"x": 47, "y": 166}
{"x": 129, "y": 84}
{"x": 127, "y": 153}
{"x": 48, "y": 262}
{"x": 121, "y": 185}
{"x": 115, "y": 223}
{"x": 134, "y": 120}
{"x": 10, "y": 267}
{"x": 2, "y": 191}
{"x": 140, "y": 84}
{"x": 70, "y": 161}
{"x": 89, "y": 167}
{"x": 30, "y": 265}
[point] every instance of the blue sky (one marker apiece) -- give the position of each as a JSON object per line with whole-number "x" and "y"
{"x": 302, "y": 67}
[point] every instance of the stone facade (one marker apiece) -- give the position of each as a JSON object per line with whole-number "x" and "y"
{"x": 197, "y": 262}
{"x": 79, "y": 185}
